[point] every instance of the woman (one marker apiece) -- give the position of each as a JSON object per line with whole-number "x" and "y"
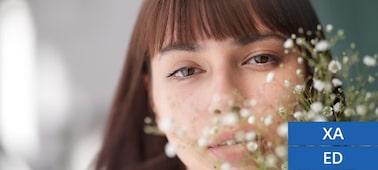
{"x": 186, "y": 56}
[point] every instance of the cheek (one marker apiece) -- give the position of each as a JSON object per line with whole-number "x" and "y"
{"x": 186, "y": 107}
{"x": 277, "y": 93}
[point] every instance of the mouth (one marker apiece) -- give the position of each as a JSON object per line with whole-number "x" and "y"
{"x": 228, "y": 152}
{"x": 225, "y": 147}
{"x": 227, "y": 143}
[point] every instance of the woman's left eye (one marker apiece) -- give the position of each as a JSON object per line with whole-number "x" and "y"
{"x": 262, "y": 59}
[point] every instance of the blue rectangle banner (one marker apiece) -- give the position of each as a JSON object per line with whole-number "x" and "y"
{"x": 333, "y": 145}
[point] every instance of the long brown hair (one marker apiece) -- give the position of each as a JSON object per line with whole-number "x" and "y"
{"x": 162, "y": 22}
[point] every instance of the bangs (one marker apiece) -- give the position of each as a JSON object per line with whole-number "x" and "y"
{"x": 171, "y": 22}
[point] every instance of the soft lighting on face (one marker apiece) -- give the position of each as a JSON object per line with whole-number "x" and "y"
{"x": 18, "y": 126}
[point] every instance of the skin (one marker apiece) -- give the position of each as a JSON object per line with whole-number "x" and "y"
{"x": 186, "y": 82}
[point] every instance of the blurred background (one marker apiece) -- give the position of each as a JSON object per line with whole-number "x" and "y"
{"x": 60, "y": 62}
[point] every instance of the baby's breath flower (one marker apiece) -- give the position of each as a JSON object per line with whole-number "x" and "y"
{"x": 337, "y": 82}
{"x": 368, "y": 96}
{"x": 345, "y": 59}
{"x": 165, "y": 124}
{"x": 225, "y": 166}
{"x": 284, "y": 166}
{"x": 371, "y": 79}
{"x": 319, "y": 85}
{"x": 298, "y": 89}
{"x": 147, "y": 120}
{"x": 268, "y": 120}
{"x": 319, "y": 118}
{"x": 361, "y": 109}
{"x": 298, "y": 115}
{"x": 251, "y": 119}
{"x": 337, "y": 107}
{"x": 269, "y": 77}
{"x": 230, "y": 142}
{"x": 329, "y": 27}
{"x": 252, "y": 102}
{"x": 352, "y": 45}
{"x": 327, "y": 111}
{"x": 269, "y": 144}
{"x": 298, "y": 72}
{"x": 270, "y": 160}
{"x": 288, "y": 43}
{"x": 230, "y": 118}
{"x": 282, "y": 110}
{"x": 202, "y": 142}
{"x": 300, "y": 60}
{"x": 316, "y": 107}
{"x": 282, "y": 129}
{"x": 252, "y": 146}
{"x": 334, "y": 66}
{"x": 239, "y": 136}
{"x": 293, "y": 36}
{"x": 310, "y": 115}
{"x": 322, "y": 46}
{"x": 348, "y": 112}
{"x": 214, "y": 130}
{"x": 300, "y": 30}
{"x": 369, "y": 61}
{"x": 319, "y": 27}
{"x": 313, "y": 41}
{"x": 245, "y": 112}
{"x": 340, "y": 33}
{"x": 299, "y": 41}
{"x": 281, "y": 151}
{"x": 249, "y": 136}
{"x": 170, "y": 150}
{"x": 287, "y": 83}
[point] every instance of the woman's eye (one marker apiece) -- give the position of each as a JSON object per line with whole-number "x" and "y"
{"x": 184, "y": 72}
{"x": 262, "y": 59}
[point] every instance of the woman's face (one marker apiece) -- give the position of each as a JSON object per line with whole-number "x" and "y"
{"x": 190, "y": 80}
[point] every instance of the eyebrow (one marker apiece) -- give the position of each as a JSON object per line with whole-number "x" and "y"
{"x": 193, "y": 47}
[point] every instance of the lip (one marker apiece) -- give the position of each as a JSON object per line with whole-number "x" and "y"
{"x": 231, "y": 153}
{"x": 221, "y": 139}
{"x": 224, "y": 150}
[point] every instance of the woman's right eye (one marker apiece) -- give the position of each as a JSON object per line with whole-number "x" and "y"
{"x": 184, "y": 72}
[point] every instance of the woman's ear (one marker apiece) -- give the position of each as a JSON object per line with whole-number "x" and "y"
{"x": 147, "y": 84}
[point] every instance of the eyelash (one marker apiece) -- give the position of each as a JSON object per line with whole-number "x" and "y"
{"x": 192, "y": 71}
{"x": 273, "y": 59}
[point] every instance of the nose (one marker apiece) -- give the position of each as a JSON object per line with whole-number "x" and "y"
{"x": 225, "y": 90}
